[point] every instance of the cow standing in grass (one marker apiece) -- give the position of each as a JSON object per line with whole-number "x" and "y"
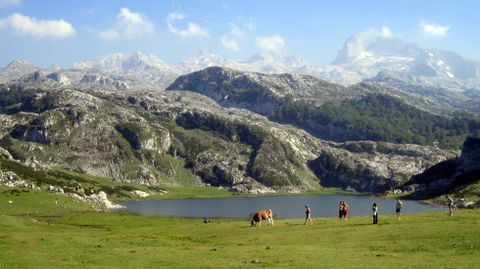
{"x": 261, "y": 215}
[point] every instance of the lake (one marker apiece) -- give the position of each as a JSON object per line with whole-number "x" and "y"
{"x": 289, "y": 206}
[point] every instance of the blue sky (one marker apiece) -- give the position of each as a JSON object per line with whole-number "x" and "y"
{"x": 60, "y": 32}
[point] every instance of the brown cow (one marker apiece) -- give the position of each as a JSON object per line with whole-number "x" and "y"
{"x": 263, "y": 214}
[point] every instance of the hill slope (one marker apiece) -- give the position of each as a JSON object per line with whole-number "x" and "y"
{"x": 183, "y": 138}
{"x": 459, "y": 177}
{"x": 327, "y": 110}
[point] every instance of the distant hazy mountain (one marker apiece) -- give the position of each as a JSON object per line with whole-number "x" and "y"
{"x": 119, "y": 63}
{"x": 448, "y": 95}
{"x": 201, "y": 60}
{"x": 446, "y": 64}
{"x": 364, "y": 55}
{"x": 276, "y": 63}
{"x": 16, "y": 69}
{"x": 138, "y": 64}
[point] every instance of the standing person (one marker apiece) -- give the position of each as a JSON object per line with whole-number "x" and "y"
{"x": 345, "y": 210}
{"x": 450, "y": 205}
{"x": 340, "y": 210}
{"x": 398, "y": 209}
{"x": 308, "y": 213}
{"x": 375, "y": 213}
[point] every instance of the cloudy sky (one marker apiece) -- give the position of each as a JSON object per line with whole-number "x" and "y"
{"x": 47, "y": 32}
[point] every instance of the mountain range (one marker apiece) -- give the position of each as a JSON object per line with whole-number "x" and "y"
{"x": 365, "y": 55}
{"x": 362, "y": 57}
{"x": 384, "y": 111}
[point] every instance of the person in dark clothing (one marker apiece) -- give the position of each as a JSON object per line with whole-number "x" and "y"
{"x": 375, "y": 213}
{"x": 308, "y": 215}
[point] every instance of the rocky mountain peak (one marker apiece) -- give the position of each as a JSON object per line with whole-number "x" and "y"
{"x": 207, "y": 57}
{"x": 15, "y": 64}
{"x": 120, "y": 62}
{"x": 355, "y": 48}
{"x": 366, "y": 54}
{"x": 16, "y": 69}
{"x": 431, "y": 63}
{"x": 278, "y": 58}
{"x": 367, "y": 45}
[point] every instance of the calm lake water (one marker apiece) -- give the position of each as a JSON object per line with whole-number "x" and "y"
{"x": 282, "y": 206}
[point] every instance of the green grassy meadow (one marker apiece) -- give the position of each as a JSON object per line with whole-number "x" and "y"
{"x": 35, "y": 232}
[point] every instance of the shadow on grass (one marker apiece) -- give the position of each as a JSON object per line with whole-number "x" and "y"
{"x": 88, "y": 225}
{"x": 364, "y": 224}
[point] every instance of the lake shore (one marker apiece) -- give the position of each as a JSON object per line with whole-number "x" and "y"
{"x": 283, "y": 206}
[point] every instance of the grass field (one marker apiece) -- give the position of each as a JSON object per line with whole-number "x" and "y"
{"x": 37, "y": 233}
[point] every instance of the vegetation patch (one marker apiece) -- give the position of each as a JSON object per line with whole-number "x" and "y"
{"x": 378, "y": 117}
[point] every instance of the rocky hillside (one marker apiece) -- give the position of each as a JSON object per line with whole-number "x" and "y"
{"x": 330, "y": 111}
{"x": 457, "y": 176}
{"x": 258, "y": 92}
{"x": 441, "y": 100}
{"x": 183, "y": 138}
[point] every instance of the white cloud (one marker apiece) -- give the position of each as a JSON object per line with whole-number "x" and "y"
{"x": 130, "y": 24}
{"x": 235, "y": 30}
{"x": 37, "y": 28}
{"x": 232, "y": 39}
{"x": 386, "y": 32}
{"x": 134, "y": 24}
{"x": 230, "y": 43}
{"x": 192, "y": 30}
{"x": 271, "y": 43}
{"x": 236, "y": 33}
{"x": 109, "y": 34}
{"x": 434, "y": 30}
{"x": 6, "y": 3}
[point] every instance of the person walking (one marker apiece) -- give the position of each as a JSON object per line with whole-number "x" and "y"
{"x": 450, "y": 205}
{"x": 398, "y": 209}
{"x": 308, "y": 215}
{"x": 375, "y": 213}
